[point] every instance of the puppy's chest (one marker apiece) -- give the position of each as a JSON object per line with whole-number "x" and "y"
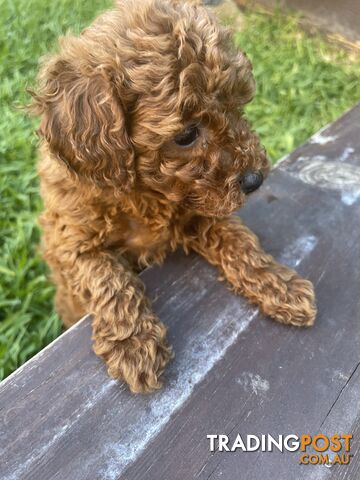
{"x": 145, "y": 236}
{"x": 139, "y": 237}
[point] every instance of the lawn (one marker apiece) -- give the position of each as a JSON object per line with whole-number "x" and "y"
{"x": 303, "y": 84}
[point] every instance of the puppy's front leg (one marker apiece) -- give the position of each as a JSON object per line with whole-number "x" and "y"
{"x": 276, "y": 289}
{"x": 126, "y": 333}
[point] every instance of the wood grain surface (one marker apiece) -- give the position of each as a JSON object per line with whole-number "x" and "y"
{"x": 235, "y": 371}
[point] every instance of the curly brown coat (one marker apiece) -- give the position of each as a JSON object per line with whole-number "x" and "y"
{"x": 145, "y": 148}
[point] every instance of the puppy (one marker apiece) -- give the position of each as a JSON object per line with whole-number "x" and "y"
{"x": 145, "y": 148}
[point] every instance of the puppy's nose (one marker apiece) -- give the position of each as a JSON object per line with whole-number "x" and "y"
{"x": 251, "y": 181}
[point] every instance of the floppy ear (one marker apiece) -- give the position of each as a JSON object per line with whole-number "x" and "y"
{"x": 83, "y": 122}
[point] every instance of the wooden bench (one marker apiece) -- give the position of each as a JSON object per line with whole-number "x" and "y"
{"x": 234, "y": 372}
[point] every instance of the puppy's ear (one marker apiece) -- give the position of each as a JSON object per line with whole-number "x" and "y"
{"x": 83, "y": 122}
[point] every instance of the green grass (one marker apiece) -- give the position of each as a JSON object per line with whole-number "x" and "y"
{"x": 302, "y": 85}
{"x": 28, "y": 29}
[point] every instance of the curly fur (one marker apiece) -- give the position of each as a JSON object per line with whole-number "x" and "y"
{"x": 119, "y": 193}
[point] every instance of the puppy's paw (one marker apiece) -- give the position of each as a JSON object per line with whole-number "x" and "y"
{"x": 297, "y": 307}
{"x": 139, "y": 360}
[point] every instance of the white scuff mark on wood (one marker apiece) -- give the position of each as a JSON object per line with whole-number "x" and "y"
{"x": 321, "y": 139}
{"x": 329, "y": 175}
{"x": 298, "y": 250}
{"x": 190, "y": 367}
{"x": 253, "y": 383}
{"x": 347, "y": 153}
{"x": 350, "y": 197}
{"x": 339, "y": 375}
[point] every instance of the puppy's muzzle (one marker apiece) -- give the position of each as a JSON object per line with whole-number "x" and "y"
{"x": 251, "y": 181}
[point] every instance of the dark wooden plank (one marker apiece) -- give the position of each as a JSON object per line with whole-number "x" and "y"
{"x": 234, "y": 371}
{"x": 344, "y": 415}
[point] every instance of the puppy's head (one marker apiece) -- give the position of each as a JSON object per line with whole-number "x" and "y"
{"x": 149, "y": 98}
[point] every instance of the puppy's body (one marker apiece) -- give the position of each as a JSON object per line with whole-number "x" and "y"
{"x": 145, "y": 149}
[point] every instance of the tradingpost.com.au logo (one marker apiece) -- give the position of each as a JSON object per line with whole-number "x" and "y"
{"x": 311, "y": 448}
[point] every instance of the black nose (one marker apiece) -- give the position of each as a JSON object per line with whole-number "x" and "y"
{"x": 251, "y": 181}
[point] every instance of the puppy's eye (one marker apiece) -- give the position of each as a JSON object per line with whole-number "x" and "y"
{"x": 187, "y": 137}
